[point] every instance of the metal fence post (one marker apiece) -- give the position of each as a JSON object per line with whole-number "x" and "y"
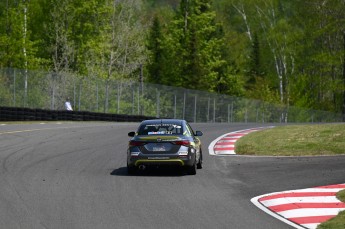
{"x": 312, "y": 117}
{"x": 184, "y": 105}
{"x": 52, "y": 104}
{"x": 97, "y": 97}
{"x": 132, "y": 98}
{"x": 208, "y": 109}
{"x": 214, "y": 110}
{"x": 232, "y": 111}
{"x": 158, "y": 101}
{"x": 26, "y": 88}
{"x": 79, "y": 102}
{"x": 195, "y": 98}
{"x": 118, "y": 98}
{"x": 174, "y": 105}
{"x": 74, "y": 95}
{"x": 14, "y": 87}
{"x": 138, "y": 99}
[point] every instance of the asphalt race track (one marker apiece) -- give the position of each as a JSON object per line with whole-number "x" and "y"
{"x": 73, "y": 175}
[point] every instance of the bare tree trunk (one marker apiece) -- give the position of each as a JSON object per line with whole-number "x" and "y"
{"x": 186, "y": 17}
{"x": 62, "y": 50}
{"x": 240, "y": 10}
{"x": 106, "y": 101}
{"x": 24, "y": 53}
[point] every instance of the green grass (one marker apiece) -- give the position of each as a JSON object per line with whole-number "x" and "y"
{"x": 300, "y": 140}
{"x": 297, "y": 140}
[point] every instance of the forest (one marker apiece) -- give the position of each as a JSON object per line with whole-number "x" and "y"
{"x": 289, "y": 52}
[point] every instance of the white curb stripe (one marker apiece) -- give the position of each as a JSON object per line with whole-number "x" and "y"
{"x": 223, "y": 141}
{"x": 311, "y": 225}
{"x": 217, "y": 147}
{"x": 225, "y": 152}
{"x": 289, "y": 200}
{"x": 310, "y": 212}
{"x": 318, "y": 190}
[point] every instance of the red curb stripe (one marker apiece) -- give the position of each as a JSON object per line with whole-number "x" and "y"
{"x": 235, "y": 135}
{"x": 286, "y": 207}
{"x": 297, "y": 194}
{"x": 225, "y": 148}
{"x": 223, "y": 143}
{"x": 311, "y": 219}
{"x": 333, "y": 186}
{"x": 229, "y": 138}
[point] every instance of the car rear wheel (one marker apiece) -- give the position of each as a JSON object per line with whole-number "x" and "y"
{"x": 191, "y": 170}
{"x": 131, "y": 170}
{"x": 199, "y": 165}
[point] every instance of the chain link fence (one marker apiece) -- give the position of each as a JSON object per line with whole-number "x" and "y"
{"x": 49, "y": 90}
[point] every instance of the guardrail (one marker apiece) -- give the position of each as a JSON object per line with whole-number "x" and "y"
{"x": 27, "y": 114}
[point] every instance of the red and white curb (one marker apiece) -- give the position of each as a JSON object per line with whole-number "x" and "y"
{"x": 304, "y": 208}
{"x": 225, "y": 144}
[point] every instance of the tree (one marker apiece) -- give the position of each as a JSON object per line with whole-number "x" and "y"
{"x": 321, "y": 74}
{"x": 276, "y": 31}
{"x": 156, "y": 64}
{"x": 62, "y": 47}
{"x": 195, "y": 45}
{"x": 255, "y": 67}
{"x": 119, "y": 49}
{"x": 17, "y": 49}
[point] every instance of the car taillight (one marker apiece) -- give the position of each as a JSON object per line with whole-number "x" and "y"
{"x": 136, "y": 143}
{"x": 182, "y": 143}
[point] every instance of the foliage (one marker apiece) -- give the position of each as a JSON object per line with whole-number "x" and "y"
{"x": 155, "y": 43}
{"x": 17, "y": 49}
{"x": 190, "y": 53}
{"x": 288, "y": 51}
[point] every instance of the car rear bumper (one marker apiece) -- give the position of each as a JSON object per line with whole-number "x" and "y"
{"x": 159, "y": 162}
{"x": 156, "y": 160}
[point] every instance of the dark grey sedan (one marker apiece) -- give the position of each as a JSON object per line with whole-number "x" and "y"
{"x": 162, "y": 142}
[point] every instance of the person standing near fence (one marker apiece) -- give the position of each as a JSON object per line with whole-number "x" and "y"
{"x": 68, "y": 105}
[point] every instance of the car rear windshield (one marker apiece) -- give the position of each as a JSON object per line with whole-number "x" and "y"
{"x": 160, "y": 129}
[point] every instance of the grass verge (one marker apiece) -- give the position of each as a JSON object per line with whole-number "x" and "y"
{"x": 296, "y": 140}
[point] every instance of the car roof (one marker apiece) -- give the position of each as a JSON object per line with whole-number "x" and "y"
{"x": 166, "y": 121}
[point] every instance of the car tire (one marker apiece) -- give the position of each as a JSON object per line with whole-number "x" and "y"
{"x": 191, "y": 170}
{"x": 131, "y": 170}
{"x": 199, "y": 165}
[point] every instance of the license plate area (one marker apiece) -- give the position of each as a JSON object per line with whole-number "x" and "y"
{"x": 158, "y": 147}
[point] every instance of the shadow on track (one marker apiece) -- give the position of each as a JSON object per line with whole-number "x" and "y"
{"x": 152, "y": 172}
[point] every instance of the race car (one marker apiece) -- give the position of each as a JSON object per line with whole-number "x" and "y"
{"x": 161, "y": 142}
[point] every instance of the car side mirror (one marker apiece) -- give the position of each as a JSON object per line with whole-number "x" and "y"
{"x": 131, "y": 134}
{"x": 198, "y": 133}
